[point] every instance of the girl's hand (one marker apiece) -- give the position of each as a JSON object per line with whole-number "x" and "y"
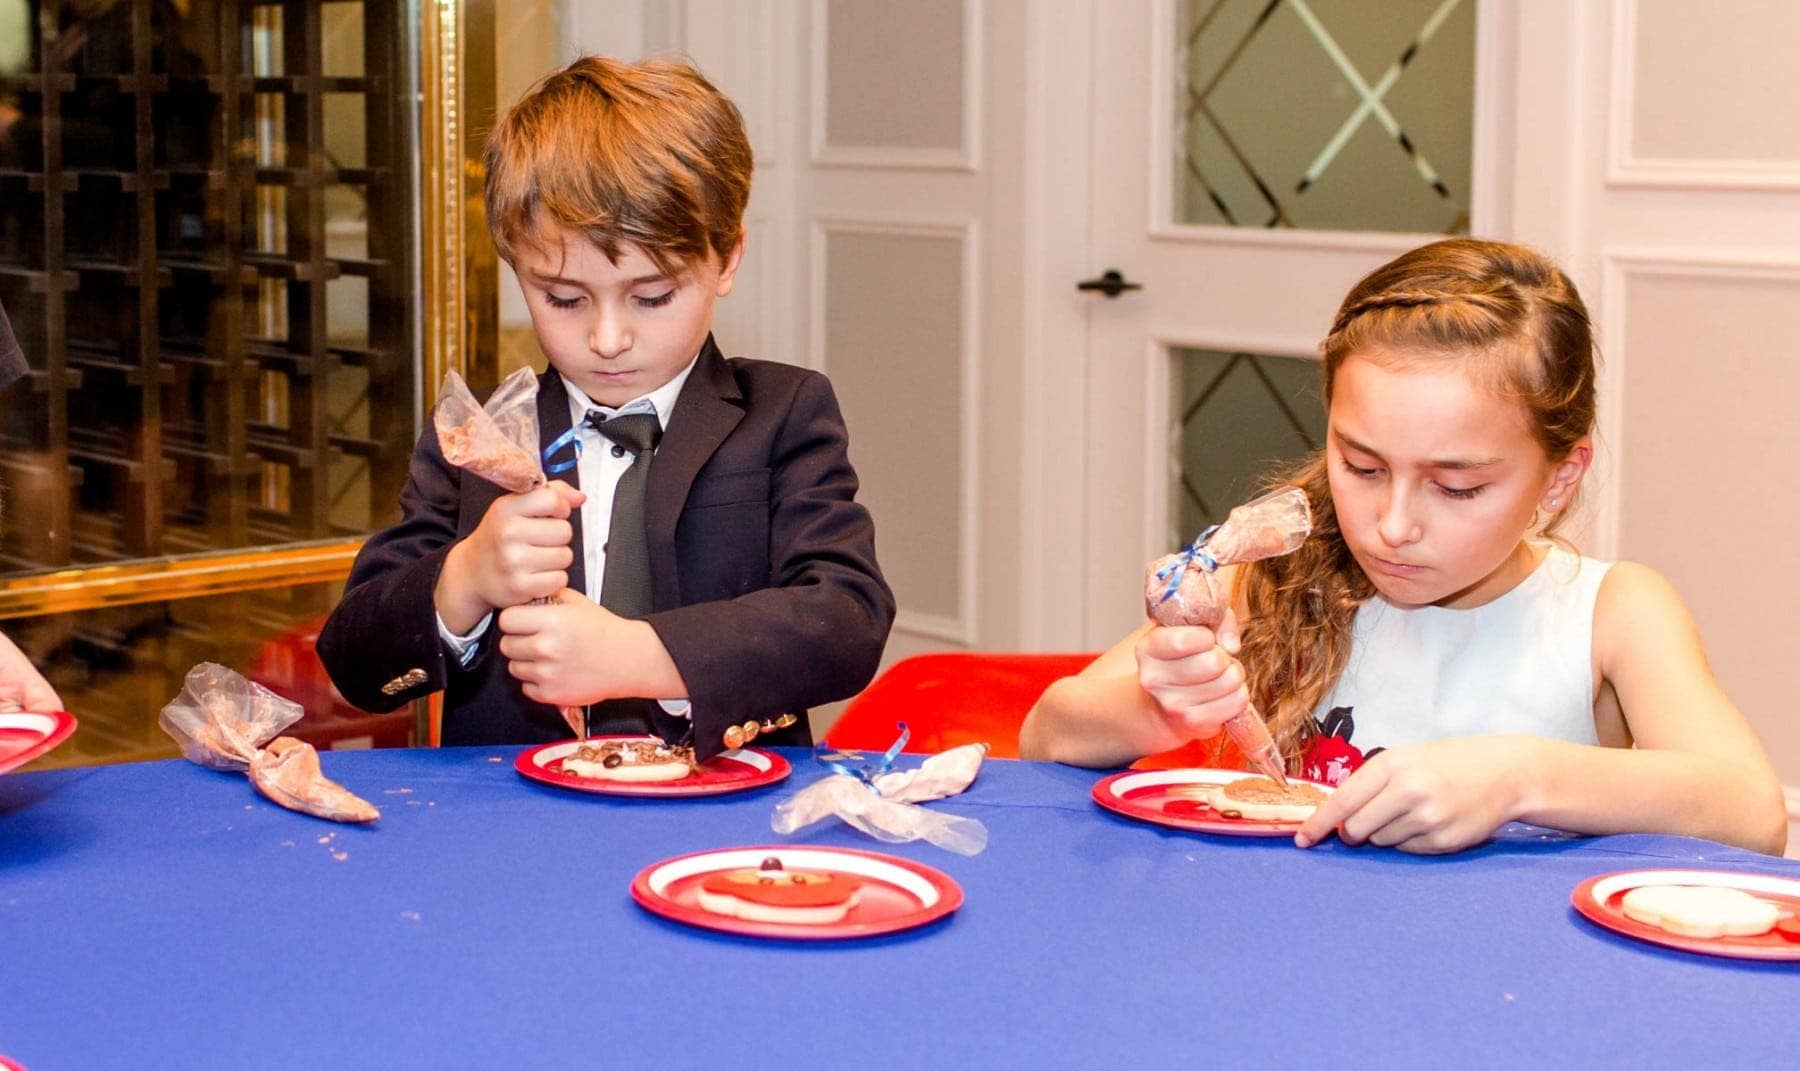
{"x": 518, "y": 553}
{"x": 566, "y": 652}
{"x": 1430, "y": 798}
{"x": 1194, "y": 677}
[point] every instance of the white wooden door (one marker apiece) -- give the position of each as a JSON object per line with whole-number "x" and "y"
{"x": 1255, "y": 296}
{"x": 884, "y": 247}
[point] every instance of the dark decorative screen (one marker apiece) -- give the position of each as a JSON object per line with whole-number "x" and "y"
{"x": 207, "y": 245}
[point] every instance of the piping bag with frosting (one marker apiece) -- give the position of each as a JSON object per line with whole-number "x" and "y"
{"x": 1179, "y": 589}
{"x": 499, "y": 443}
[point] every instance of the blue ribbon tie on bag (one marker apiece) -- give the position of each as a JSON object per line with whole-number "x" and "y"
{"x": 1188, "y": 555}
{"x": 856, "y": 764}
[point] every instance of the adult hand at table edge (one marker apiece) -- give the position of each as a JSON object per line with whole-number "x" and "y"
{"x": 21, "y": 683}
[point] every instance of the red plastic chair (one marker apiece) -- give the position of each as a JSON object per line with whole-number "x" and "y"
{"x": 289, "y": 666}
{"x": 952, "y": 699}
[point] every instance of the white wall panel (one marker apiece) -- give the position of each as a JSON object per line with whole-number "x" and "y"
{"x": 896, "y": 85}
{"x": 893, "y": 329}
{"x": 1703, "y": 94}
{"x": 1706, "y": 445}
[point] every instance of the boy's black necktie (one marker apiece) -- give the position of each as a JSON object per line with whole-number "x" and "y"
{"x": 625, "y": 581}
{"x": 625, "y": 585}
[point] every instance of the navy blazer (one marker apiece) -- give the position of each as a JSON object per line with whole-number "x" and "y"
{"x": 766, "y": 590}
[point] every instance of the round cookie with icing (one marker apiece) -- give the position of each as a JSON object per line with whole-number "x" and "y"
{"x": 630, "y": 760}
{"x": 1259, "y": 799}
{"x": 1700, "y": 910}
{"x": 772, "y": 893}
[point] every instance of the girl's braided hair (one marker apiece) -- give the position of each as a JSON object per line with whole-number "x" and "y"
{"x": 1505, "y": 315}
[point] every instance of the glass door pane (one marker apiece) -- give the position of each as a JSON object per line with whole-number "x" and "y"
{"x": 1325, "y": 114}
{"x": 1236, "y": 418}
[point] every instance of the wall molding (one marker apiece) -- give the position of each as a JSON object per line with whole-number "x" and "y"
{"x": 1624, "y": 168}
{"x": 1619, "y": 265}
{"x": 963, "y": 627}
{"x": 1057, "y": 247}
{"x": 965, "y": 157}
{"x": 759, "y": 241}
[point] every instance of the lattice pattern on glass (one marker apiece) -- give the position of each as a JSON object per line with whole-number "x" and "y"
{"x": 1235, "y": 417}
{"x": 1324, "y": 114}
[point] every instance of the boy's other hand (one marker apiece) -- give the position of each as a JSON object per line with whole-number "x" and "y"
{"x": 573, "y": 651}
{"x": 560, "y": 651}
{"x": 518, "y": 553}
{"x": 1192, "y": 674}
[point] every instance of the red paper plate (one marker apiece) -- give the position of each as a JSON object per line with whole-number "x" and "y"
{"x": 25, "y": 736}
{"x": 1150, "y": 796}
{"x": 1598, "y": 899}
{"x": 9, "y": 1065}
{"x": 897, "y": 894}
{"x": 732, "y": 771}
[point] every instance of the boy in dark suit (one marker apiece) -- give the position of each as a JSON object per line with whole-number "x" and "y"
{"x": 710, "y": 518}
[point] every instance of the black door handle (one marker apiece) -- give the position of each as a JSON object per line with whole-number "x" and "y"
{"x": 1112, "y": 284}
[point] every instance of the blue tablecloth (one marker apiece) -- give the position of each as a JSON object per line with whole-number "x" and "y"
{"x": 163, "y": 915}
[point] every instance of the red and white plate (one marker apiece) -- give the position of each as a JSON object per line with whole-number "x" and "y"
{"x": 1598, "y": 899}
{"x": 897, "y": 894}
{"x": 25, "y": 736}
{"x": 1156, "y": 796}
{"x": 730, "y": 771}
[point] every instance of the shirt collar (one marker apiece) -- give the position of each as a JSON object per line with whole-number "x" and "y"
{"x": 662, "y": 399}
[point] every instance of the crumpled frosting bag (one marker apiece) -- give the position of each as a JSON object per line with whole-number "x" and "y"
{"x": 223, "y": 721}
{"x": 287, "y": 771}
{"x": 221, "y": 718}
{"x": 1266, "y": 527}
{"x": 888, "y": 810}
{"x": 498, "y": 443}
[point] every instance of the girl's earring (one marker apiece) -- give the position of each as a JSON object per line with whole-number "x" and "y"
{"x": 1555, "y": 502}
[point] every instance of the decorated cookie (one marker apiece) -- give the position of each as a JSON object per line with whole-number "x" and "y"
{"x": 772, "y": 893}
{"x": 630, "y": 760}
{"x": 1259, "y": 799}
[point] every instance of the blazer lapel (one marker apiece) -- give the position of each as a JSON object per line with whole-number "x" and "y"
{"x": 553, "y": 421}
{"x": 704, "y": 414}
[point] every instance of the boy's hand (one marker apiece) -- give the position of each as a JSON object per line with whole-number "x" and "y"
{"x": 1194, "y": 677}
{"x": 573, "y": 651}
{"x": 1430, "y": 798}
{"x": 518, "y": 553}
{"x": 562, "y": 651}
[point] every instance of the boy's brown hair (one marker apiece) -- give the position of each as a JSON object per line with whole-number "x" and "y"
{"x": 647, "y": 153}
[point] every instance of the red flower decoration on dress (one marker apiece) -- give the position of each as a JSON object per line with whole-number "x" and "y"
{"x": 1331, "y": 757}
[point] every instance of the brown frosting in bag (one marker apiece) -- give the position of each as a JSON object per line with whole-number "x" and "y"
{"x": 287, "y": 771}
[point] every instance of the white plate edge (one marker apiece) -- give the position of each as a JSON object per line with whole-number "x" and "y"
{"x": 795, "y": 858}
{"x": 1192, "y": 775}
{"x": 1603, "y": 890}
{"x": 27, "y": 721}
{"x": 554, "y": 752}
